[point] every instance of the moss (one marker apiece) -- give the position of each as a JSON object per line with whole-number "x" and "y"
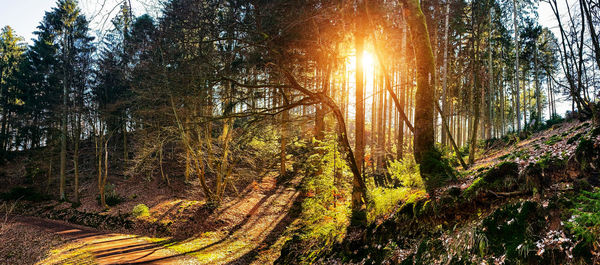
{"x": 500, "y": 171}
{"x": 500, "y": 177}
{"x": 435, "y": 171}
{"x": 520, "y": 154}
{"x": 473, "y": 189}
{"x": 554, "y": 139}
{"x": 574, "y": 138}
{"x": 587, "y": 155}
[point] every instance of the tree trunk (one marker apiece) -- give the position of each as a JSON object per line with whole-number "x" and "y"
{"x": 518, "y": 100}
{"x": 444, "y": 111}
{"x": 359, "y": 122}
{"x": 423, "y": 134}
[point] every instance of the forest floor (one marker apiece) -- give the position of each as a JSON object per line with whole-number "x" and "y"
{"x": 252, "y": 229}
{"x": 553, "y": 141}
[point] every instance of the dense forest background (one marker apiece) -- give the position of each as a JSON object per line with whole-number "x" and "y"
{"x": 360, "y": 97}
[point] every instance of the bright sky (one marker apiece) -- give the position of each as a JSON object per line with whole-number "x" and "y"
{"x": 25, "y": 15}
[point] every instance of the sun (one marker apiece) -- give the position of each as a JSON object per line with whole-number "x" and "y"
{"x": 369, "y": 62}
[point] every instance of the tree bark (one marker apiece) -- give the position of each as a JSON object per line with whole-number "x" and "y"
{"x": 424, "y": 97}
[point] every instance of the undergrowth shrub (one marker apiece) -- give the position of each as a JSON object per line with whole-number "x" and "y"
{"x": 325, "y": 210}
{"x": 140, "y": 210}
{"x": 264, "y": 145}
{"x": 512, "y": 230}
{"x": 406, "y": 173}
{"x": 385, "y": 200}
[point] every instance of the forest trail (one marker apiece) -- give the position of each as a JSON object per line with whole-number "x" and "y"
{"x": 89, "y": 246}
{"x": 253, "y": 228}
{"x": 253, "y": 233}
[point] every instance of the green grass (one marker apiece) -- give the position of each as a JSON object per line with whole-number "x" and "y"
{"x": 385, "y": 200}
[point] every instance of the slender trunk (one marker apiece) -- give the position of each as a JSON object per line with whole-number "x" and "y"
{"x": 360, "y": 110}
{"x": 284, "y": 119}
{"x": 538, "y": 97}
{"x": 491, "y": 81}
{"x": 516, "y": 28}
{"x": 445, "y": 78}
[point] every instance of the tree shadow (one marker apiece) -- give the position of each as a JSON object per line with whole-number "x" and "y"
{"x": 275, "y": 234}
{"x": 272, "y": 237}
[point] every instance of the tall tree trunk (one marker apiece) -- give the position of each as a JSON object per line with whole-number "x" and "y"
{"x": 444, "y": 111}
{"x": 360, "y": 107}
{"x": 63, "y": 137}
{"x": 424, "y": 148}
{"x": 284, "y": 120}
{"x": 76, "y": 157}
{"x": 516, "y": 28}
{"x": 593, "y": 32}
{"x": 491, "y": 91}
{"x": 538, "y": 97}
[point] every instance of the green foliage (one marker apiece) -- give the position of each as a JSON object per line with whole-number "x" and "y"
{"x": 406, "y": 172}
{"x": 265, "y": 144}
{"x": 554, "y": 139}
{"x": 140, "y": 210}
{"x": 385, "y": 200}
{"x": 585, "y": 220}
{"x": 325, "y": 210}
{"x": 512, "y": 230}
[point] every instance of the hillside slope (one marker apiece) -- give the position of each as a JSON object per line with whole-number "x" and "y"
{"x": 529, "y": 201}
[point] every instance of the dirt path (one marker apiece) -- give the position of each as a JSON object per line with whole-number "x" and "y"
{"x": 255, "y": 226}
{"x": 88, "y": 246}
{"x": 254, "y": 231}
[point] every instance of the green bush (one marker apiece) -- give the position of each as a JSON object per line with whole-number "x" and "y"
{"x": 140, "y": 210}
{"x": 406, "y": 173}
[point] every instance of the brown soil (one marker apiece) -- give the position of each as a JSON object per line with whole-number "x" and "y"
{"x": 88, "y": 246}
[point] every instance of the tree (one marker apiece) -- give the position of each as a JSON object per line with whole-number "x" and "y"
{"x": 11, "y": 55}
{"x": 63, "y": 37}
{"x": 424, "y": 144}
